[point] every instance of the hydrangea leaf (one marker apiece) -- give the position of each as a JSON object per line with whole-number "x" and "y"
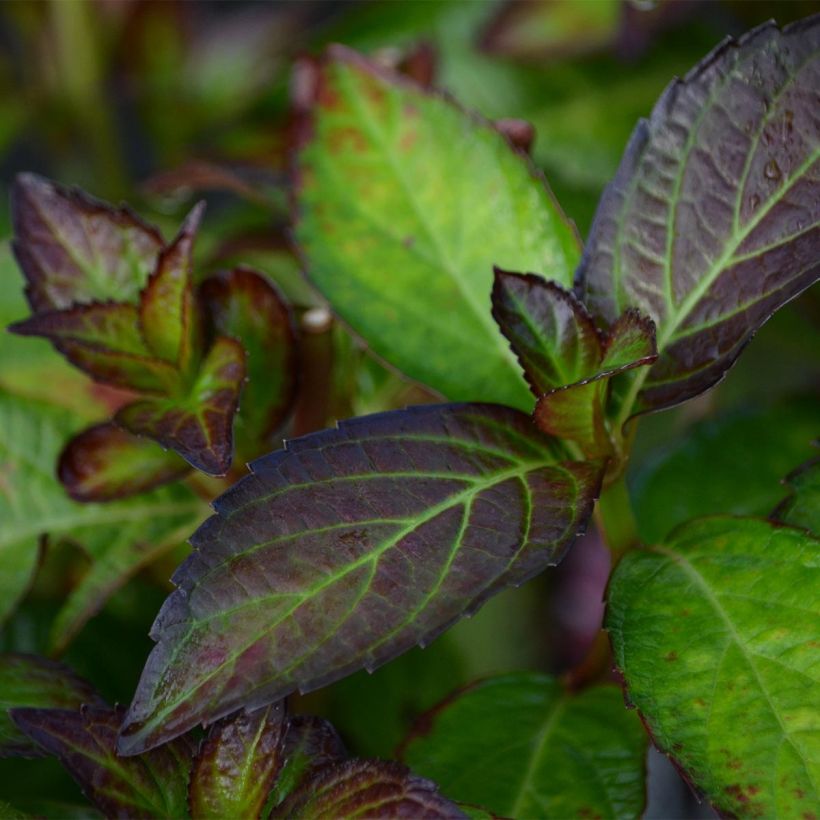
{"x": 248, "y": 307}
{"x": 715, "y": 630}
{"x": 199, "y": 425}
{"x": 709, "y": 234}
{"x": 404, "y": 204}
{"x": 31, "y": 681}
{"x": 168, "y": 314}
{"x": 152, "y": 785}
{"x": 564, "y": 754}
{"x": 103, "y": 463}
{"x": 237, "y": 764}
{"x": 75, "y": 249}
{"x": 367, "y": 788}
{"x": 349, "y": 547}
{"x": 802, "y": 507}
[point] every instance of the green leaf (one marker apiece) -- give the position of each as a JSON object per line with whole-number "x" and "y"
{"x": 715, "y": 631}
{"x": 405, "y": 203}
{"x": 711, "y": 223}
{"x": 151, "y": 785}
{"x": 75, "y": 249}
{"x": 802, "y": 507}
{"x": 28, "y": 680}
{"x": 524, "y": 747}
{"x": 711, "y": 467}
{"x": 366, "y": 788}
{"x": 249, "y": 308}
{"x": 103, "y": 463}
{"x": 237, "y": 765}
{"x": 348, "y": 548}
{"x": 121, "y": 537}
{"x": 198, "y": 426}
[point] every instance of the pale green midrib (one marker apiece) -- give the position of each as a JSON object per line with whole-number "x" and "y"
{"x": 481, "y": 311}
{"x": 434, "y": 511}
{"x": 249, "y": 754}
{"x": 558, "y": 708}
{"x": 701, "y": 583}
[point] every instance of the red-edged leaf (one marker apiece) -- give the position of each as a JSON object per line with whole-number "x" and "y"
{"x": 151, "y": 785}
{"x": 168, "y": 313}
{"x": 237, "y": 764}
{"x": 197, "y": 426}
{"x": 713, "y": 220}
{"x": 28, "y": 680}
{"x": 367, "y": 788}
{"x": 104, "y": 462}
{"x": 246, "y": 306}
{"x": 75, "y": 249}
{"x": 349, "y": 547}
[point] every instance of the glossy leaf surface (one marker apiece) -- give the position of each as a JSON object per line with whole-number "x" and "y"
{"x": 84, "y": 741}
{"x": 802, "y": 507}
{"x": 348, "y": 548}
{"x": 197, "y": 426}
{"x": 711, "y": 222}
{"x": 247, "y": 307}
{"x": 716, "y": 630}
{"x": 103, "y": 463}
{"x": 405, "y": 203}
{"x": 366, "y": 788}
{"x": 732, "y": 463}
{"x": 32, "y": 681}
{"x": 75, "y": 249}
{"x": 238, "y": 764}
{"x": 524, "y": 747}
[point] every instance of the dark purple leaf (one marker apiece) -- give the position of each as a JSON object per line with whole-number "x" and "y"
{"x": 349, "y": 547}
{"x": 28, "y": 680}
{"x": 151, "y": 785}
{"x": 75, "y": 249}
{"x": 168, "y": 314}
{"x": 104, "y": 462}
{"x": 246, "y": 306}
{"x": 367, "y": 788}
{"x": 198, "y": 426}
{"x": 238, "y": 764}
{"x": 711, "y": 223}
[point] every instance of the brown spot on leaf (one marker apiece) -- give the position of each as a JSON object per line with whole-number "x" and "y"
{"x": 346, "y": 139}
{"x": 671, "y": 656}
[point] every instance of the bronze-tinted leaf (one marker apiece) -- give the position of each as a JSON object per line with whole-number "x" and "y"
{"x": 349, "y": 547}
{"x": 248, "y": 307}
{"x": 198, "y": 425}
{"x": 104, "y": 462}
{"x": 151, "y": 785}
{"x": 168, "y": 314}
{"x": 711, "y": 223}
{"x": 367, "y": 788}
{"x": 238, "y": 764}
{"x": 75, "y": 249}
{"x": 32, "y": 681}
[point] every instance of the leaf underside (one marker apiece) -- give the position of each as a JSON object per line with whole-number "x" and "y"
{"x": 711, "y": 222}
{"x": 715, "y": 631}
{"x": 348, "y": 548}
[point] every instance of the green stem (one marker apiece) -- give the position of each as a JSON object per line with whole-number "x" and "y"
{"x": 616, "y": 521}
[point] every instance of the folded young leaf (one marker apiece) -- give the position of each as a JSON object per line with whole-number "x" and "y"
{"x": 104, "y": 462}
{"x": 152, "y": 785}
{"x": 28, "y": 680}
{"x": 349, "y": 547}
{"x": 715, "y": 631}
{"x": 237, "y": 764}
{"x": 168, "y": 314}
{"x": 711, "y": 222}
{"x": 565, "y": 755}
{"x": 366, "y": 788}
{"x": 404, "y": 204}
{"x": 75, "y": 249}
{"x": 198, "y": 426}
{"x": 249, "y": 308}
{"x": 802, "y": 507}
